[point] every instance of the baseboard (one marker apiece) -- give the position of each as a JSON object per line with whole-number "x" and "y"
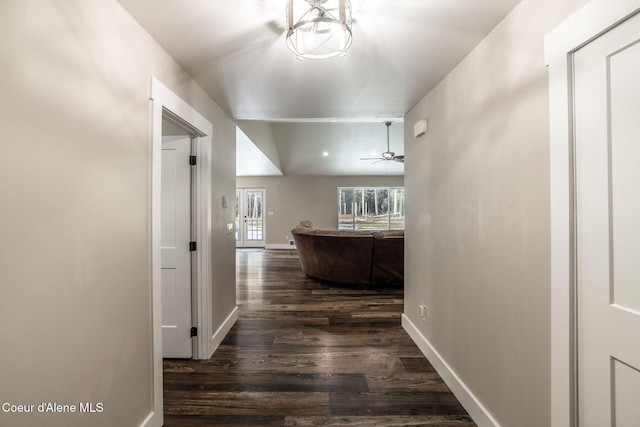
{"x": 279, "y": 246}
{"x": 474, "y": 407}
{"x": 222, "y": 331}
{"x": 152, "y": 420}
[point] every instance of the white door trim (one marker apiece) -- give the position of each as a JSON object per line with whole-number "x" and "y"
{"x": 163, "y": 99}
{"x": 595, "y": 18}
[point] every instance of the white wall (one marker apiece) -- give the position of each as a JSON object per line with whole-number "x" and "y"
{"x": 298, "y": 198}
{"x": 477, "y": 241}
{"x": 75, "y": 314}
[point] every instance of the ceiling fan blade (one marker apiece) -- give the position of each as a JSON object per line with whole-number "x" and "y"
{"x": 399, "y": 158}
{"x": 371, "y": 158}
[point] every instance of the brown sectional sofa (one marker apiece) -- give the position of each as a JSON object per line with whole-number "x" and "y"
{"x": 362, "y": 257}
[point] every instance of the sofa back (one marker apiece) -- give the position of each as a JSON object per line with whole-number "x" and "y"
{"x": 388, "y": 258}
{"x": 336, "y": 256}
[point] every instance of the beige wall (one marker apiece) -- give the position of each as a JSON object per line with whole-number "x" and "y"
{"x": 296, "y": 198}
{"x": 75, "y": 315}
{"x": 477, "y": 241}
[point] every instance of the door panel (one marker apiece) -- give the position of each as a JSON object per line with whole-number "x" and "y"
{"x": 607, "y": 114}
{"x": 624, "y": 71}
{"x": 176, "y": 257}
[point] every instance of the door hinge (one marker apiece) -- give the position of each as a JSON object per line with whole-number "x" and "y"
{"x": 192, "y": 246}
{"x": 192, "y": 160}
{"x": 194, "y": 331}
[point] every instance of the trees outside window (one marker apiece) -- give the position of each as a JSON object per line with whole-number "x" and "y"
{"x": 370, "y": 208}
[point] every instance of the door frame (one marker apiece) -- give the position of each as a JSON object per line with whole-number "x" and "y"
{"x": 591, "y": 21}
{"x": 166, "y": 103}
{"x": 242, "y": 208}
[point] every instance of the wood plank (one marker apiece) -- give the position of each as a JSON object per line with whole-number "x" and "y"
{"x": 223, "y": 420}
{"x": 382, "y": 421}
{"x": 265, "y": 382}
{"x": 395, "y": 402}
{"x": 244, "y": 403}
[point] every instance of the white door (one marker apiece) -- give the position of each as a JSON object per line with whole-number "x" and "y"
{"x": 250, "y": 230}
{"x": 607, "y": 134}
{"x": 176, "y": 255}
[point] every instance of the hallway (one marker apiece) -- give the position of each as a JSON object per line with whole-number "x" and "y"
{"x": 307, "y": 354}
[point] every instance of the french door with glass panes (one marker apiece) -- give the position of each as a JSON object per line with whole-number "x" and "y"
{"x": 250, "y": 230}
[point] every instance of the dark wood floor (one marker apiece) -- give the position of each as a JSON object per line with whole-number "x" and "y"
{"x": 309, "y": 354}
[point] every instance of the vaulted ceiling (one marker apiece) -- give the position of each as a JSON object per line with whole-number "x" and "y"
{"x": 236, "y": 50}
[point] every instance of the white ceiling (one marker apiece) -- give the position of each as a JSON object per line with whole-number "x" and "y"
{"x": 344, "y": 143}
{"x": 236, "y": 50}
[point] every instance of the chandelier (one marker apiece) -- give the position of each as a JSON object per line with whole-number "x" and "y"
{"x": 319, "y": 29}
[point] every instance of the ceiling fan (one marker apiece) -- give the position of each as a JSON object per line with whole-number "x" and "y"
{"x": 387, "y": 155}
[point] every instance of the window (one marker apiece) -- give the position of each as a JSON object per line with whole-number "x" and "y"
{"x": 370, "y": 208}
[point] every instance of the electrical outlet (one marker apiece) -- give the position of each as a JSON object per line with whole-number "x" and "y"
{"x": 423, "y": 313}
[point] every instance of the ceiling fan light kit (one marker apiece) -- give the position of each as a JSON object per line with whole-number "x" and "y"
{"x": 319, "y": 29}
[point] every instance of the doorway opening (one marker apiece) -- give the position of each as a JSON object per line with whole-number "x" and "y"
{"x": 178, "y": 240}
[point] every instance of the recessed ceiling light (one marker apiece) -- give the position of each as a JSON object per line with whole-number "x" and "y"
{"x": 325, "y": 153}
